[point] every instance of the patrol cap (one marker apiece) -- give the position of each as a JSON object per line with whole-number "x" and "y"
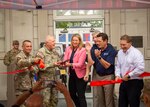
{"x": 15, "y": 42}
{"x": 146, "y": 84}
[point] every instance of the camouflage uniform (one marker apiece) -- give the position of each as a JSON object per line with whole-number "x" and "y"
{"x": 23, "y": 81}
{"x": 145, "y": 90}
{"x": 146, "y": 84}
{"x": 48, "y": 73}
{"x": 10, "y": 56}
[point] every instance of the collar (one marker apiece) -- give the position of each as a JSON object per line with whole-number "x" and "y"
{"x": 129, "y": 50}
{"x": 107, "y": 47}
{"x": 48, "y": 51}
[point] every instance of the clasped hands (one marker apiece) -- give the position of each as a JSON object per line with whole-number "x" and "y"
{"x": 124, "y": 78}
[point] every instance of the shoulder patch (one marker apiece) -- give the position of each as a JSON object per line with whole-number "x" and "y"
{"x": 40, "y": 54}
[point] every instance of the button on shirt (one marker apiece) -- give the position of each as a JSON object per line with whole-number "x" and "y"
{"x": 131, "y": 62}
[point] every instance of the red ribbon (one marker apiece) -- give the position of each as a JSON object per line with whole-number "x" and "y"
{"x": 40, "y": 63}
{"x": 108, "y": 82}
{"x": 145, "y": 74}
{"x": 14, "y": 72}
{"x": 105, "y": 82}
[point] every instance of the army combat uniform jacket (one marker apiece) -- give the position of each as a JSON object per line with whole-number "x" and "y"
{"x": 23, "y": 80}
{"x": 10, "y": 56}
{"x": 48, "y": 73}
{"x": 49, "y": 57}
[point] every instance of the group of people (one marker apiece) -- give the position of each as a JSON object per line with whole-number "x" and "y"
{"x": 78, "y": 59}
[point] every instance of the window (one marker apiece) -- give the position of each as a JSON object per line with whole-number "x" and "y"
{"x": 137, "y": 41}
{"x": 78, "y": 12}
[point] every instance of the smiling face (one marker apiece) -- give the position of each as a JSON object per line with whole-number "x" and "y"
{"x": 125, "y": 42}
{"x": 75, "y": 42}
{"x": 124, "y": 45}
{"x": 27, "y": 46}
{"x": 101, "y": 43}
{"x": 102, "y": 40}
{"x": 50, "y": 42}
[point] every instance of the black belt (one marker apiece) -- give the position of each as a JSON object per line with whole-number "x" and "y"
{"x": 104, "y": 74}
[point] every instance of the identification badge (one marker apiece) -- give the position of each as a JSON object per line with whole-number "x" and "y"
{"x": 63, "y": 72}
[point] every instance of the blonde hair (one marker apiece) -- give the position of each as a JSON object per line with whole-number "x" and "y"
{"x": 96, "y": 32}
{"x": 79, "y": 37}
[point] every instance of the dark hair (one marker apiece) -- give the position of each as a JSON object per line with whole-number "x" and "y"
{"x": 103, "y": 35}
{"x": 127, "y": 38}
{"x": 25, "y": 41}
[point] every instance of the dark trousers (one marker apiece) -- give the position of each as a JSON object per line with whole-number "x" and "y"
{"x": 129, "y": 93}
{"x": 77, "y": 89}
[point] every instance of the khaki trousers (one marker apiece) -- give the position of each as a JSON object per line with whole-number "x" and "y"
{"x": 103, "y": 95}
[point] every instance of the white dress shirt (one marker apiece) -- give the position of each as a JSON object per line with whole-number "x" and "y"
{"x": 131, "y": 61}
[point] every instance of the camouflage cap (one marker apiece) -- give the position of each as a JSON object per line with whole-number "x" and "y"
{"x": 146, "y": 84}
{"x": 15, "y": 42}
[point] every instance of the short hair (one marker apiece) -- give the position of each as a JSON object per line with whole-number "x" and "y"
{"x": 80, "y": 39}
{"x": 15, "y": 42}
{"x": 127, "y": 38}
{"x": 48, "y": 38}
{"x": 25, "y": 41}
{"x": 103, "y": 35}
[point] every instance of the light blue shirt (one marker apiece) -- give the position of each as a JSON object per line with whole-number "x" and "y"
{"x": 131, "y": 61}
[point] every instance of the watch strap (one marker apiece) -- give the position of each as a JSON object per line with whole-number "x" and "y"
{"x": 99, "y": 57}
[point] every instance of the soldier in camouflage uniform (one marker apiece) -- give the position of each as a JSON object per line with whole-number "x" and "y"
{"x": 145, "y": 96}
{"x": 10, "y": 55}
{"x": 9, "y": 59}
{"x": 24, "y": 60}
{"x": 50, "y": 58}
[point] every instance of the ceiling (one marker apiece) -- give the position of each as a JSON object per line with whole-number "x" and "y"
{"x": 74, "y": 4}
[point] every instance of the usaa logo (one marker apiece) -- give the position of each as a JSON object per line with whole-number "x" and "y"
{"x": 105, "y": 54}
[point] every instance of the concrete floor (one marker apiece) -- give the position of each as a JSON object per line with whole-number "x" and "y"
{"x": 62, "y": 103}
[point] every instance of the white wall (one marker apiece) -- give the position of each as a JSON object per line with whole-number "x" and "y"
{"x": 3, "y": 78}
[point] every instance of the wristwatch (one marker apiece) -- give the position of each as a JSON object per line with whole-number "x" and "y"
{"x": 128, "y": 77}
{"x": 99, "y": 57}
